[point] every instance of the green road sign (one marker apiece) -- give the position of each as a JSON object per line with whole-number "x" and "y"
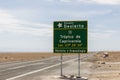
{"x": 70, "y": 37}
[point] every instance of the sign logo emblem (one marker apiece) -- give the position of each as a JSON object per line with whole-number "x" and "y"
{"x": 59, "y": 25}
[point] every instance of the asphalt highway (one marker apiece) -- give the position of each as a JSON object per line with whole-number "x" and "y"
{"x": 19, "y": 69}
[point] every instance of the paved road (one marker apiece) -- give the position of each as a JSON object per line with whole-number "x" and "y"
{"x": 15, "y": 70}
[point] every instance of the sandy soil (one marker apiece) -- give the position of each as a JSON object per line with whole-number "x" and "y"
{"x": 101, "y": 68}
{"x": 7, "y": 57}
{"x": 26, "y": 56}
{"x": 113, "y": 57}
{"x": 106, "y": 68}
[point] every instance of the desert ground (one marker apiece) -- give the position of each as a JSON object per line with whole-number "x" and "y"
{"x": 96, "y": 67}
{"x": 106, "y": 68}
{"x": 26, "y": 56}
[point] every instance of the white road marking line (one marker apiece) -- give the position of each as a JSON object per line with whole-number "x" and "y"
{"x": 16, "y": 67}
{"x": 22, "y": 66}
{"x": 25, "y": 66}
{"x": 21, "y": 62}
{"x": 22, "y": 75}
{"x": 29, "y": 64}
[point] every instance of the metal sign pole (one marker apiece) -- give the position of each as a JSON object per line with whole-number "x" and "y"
{"x": 78, "y": 64}
{"x": 61, "y": 64}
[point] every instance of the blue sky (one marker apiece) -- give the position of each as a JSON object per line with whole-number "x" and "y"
{"x": 27, "y": 25}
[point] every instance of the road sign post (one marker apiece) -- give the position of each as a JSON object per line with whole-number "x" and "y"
{"x": 70, "y": 37}
{"x": 61, "y": 65}
{"x": 78, "y": 65}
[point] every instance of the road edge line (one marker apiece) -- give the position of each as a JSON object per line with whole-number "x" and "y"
{"x": 35, "y": 71}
